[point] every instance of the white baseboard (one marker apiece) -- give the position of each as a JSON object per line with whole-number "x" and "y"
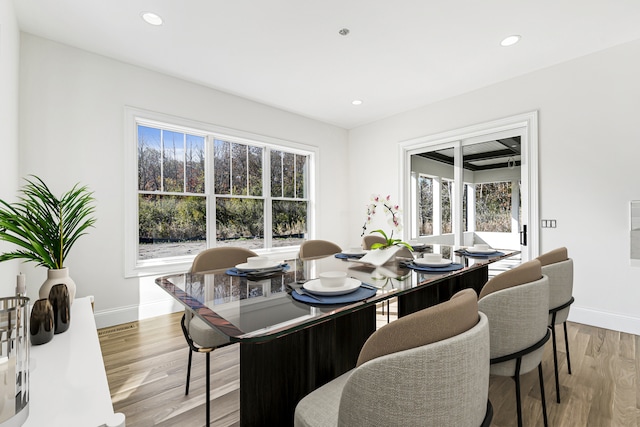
{"x": 120, "y": 315}
{"x": 604, "y": 319}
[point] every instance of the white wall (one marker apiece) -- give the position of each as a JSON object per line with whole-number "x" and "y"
{"x": 71, "y": 130}
{"x": 589, "y": 151}
{"x": 9, "y": 60}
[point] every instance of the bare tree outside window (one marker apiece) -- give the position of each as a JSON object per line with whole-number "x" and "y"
{"x": 446, "y": 195}
{"x": 171, "y": 199}
{"x": 425, "y": 204}
{"x": 172, "y": 194}
{"x": 493, "y": 207}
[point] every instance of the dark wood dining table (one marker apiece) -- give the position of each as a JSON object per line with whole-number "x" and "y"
{"x": 289, "y": 348}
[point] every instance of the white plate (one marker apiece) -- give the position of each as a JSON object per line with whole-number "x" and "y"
{"x": 315, "y": 287}
{"x": 354, "y": 252}
{"x": 245, "y": 266}
{"x": 425, "y": 263}
{"x": 471, "y": 250}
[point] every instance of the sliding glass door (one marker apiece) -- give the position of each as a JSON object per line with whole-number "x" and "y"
{"x": 475, "y": 189}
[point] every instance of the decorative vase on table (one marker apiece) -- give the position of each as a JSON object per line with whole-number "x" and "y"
{"x": 41, "y": 326}
{"x": 56, "y": 277}
{"x": 59, "y": 299}
{"x": 385, "y": 250}
{"x": 381, "y": 256}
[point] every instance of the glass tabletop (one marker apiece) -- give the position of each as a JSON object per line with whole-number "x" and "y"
{"x": 256, "y": 308}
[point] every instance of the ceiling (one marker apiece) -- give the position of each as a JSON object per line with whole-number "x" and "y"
{"x": 398, "y": 55}
{"x": 488, "y": 155}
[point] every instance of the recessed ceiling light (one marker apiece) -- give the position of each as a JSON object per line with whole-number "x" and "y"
{"x": 151, "y": 18}
{"x": 357, "y": 102}
{"x": 510, "y": 41}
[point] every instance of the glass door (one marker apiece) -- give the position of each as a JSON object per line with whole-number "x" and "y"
{"x": 476, "y": 189}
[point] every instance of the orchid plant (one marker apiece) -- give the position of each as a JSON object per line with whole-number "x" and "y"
{"x": 393, "y": 212}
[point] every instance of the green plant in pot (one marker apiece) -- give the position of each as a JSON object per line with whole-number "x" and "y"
{"x": 45, "y": 227}
{"x": 386, "y": 249}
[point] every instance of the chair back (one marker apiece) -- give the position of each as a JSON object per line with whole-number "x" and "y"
{"x": 208, "y": 260}
{"x": 424, "y": 327}
{"x": 310, "y": 249}
{"x": 370, "y": 239}
{"x": 516, "y": 304}
{"x": 217, "y": 258}
{"x": 442, "y": 383}
{"x": 559, "y": 268}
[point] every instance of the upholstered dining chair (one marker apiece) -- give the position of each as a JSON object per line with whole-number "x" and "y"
{"x": 201, "y": 337}
{"x": 557, "y": 265}
{"x": 516, "y": 304}
{"x": 370, "y": 239}
{"x": 430, "y": 368}
{"x": 310, "y": 249}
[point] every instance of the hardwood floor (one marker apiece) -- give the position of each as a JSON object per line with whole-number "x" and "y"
{"x": 146, "y": 367}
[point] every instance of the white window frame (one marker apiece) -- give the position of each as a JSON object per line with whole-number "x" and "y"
{"x": 134, "y": 116}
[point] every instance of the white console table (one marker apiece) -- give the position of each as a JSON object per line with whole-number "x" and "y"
{"x": 68, "y": 384}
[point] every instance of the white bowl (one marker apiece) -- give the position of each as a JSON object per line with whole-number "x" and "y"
{"x": 257, "y": 261}
{"x": 333, "y": 279}
{"x": 432, "y": 257}
{"x": 481, "y": 247}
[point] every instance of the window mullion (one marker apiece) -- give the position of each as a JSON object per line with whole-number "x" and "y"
{"x": 184, "y": 162}
{"x": 230, "y": 168}
{"x": 209, "y": 191}
{"x": 268, "y": 204}
{"x": 161, "y": 160}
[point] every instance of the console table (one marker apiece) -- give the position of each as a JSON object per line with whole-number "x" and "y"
{"x": 68, "y": 383}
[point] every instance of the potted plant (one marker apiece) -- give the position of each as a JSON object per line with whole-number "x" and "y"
{"x": 45, "y": 227}
{"x": 390, "y": 246}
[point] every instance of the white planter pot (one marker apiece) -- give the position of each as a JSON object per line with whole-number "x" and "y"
{"x": 378, "y": 257}
{"x": 57, "y": 276}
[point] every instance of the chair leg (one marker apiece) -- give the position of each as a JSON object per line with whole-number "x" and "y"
{"x": 544, "y": 401}
{"x": 209, "y": 388}
{"x": 388, "y": 313}
{"x": 186, "y": 391}
{"x": 566, "y": 344}
{"x": 555, "y": 362}
{"x": 518, "y": 398}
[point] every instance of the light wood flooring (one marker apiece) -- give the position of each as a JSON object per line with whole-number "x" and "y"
{"x": 146, "y": 366}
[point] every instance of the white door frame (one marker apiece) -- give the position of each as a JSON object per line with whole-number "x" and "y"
{"x": 526, "y": 126}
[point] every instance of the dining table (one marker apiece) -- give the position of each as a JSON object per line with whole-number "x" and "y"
{"x": 293, "y": 341}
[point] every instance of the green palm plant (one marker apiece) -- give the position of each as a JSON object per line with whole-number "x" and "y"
{"x": 44, "y": 226}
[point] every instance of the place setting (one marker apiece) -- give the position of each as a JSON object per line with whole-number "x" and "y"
{"x": 332, "y": 288}
{"x": 433, "y": 263}
{"x": 479, "y": 250}
{"x": 258, "y": 267}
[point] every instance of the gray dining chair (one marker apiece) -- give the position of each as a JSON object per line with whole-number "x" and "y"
{"x": 557, "y": 265}
{"x": 315, "y": 248}
{"x": 370, "y": 239}
{"x": 430, "y": 368}
{"x": 516, "y": 304}
{"x": 200, "y": 336}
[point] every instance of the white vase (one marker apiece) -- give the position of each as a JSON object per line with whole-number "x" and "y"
{"x": 55, "y": 277}
{"x": 379, "y": 257}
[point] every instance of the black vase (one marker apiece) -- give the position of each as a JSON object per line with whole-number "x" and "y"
{"x": 59, "y": 299}
{"x": 41, "y": 326}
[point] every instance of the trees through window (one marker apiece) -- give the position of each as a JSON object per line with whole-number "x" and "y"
{"x": 492, "y": 206}
{"x": 198, "y": 190}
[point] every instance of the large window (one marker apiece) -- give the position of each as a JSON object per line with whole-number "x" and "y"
{"x": 199, "y": 189}
{"x": 171, "y": 193}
